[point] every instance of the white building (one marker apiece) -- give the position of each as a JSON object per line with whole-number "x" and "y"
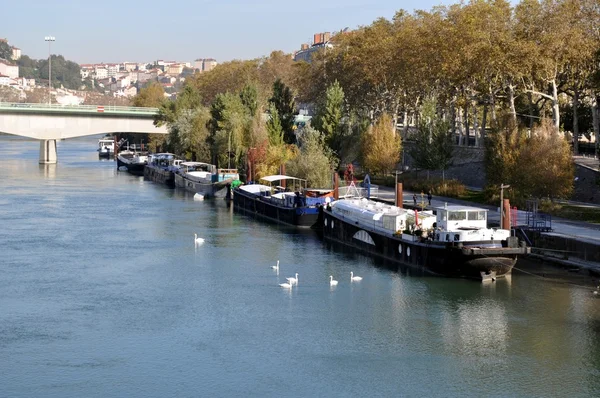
{"x": 112, "y": 70}
{"x": 5, "y": 80}
{"x": 16, "y": 53}
{"x": 100, "y": 73}
{"x": 8, "y": 69}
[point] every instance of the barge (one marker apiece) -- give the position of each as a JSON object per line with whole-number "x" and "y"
{"x": 299, "y": 207}
{"x": 205, "y": 179}
{"x": 455, "y": 242}
{"x": 161, "y": 168}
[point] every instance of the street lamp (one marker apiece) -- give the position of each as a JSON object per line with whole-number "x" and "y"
{"x": 502, "y": 215}
{"x": 49, "y": 39}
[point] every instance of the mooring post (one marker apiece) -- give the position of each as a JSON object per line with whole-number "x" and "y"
{"x": 399, "y": 195}
{"x": 506, "y": 214}
{"x": 336, "y": 186}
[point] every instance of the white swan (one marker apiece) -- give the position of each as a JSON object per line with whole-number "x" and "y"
{"x": 597, "y": 291}
{"x": 197, "y": 240}
{"x": 276, "y": 267}
{"x": 355, "y": 278}
{"x": 332, "y": 282}
{"x": 286, "y": 285}
{"x": 293, "y": 281}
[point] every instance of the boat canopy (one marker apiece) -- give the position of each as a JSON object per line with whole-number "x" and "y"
{"x": 280, "y": 177}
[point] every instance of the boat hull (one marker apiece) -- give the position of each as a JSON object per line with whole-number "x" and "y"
{"x": 474, "y": 260}
{"x": 160, "y": 175}
{"x": 219, "y": 190}
{"x": 132, "y": 167}
{"x": 303, "y": 217}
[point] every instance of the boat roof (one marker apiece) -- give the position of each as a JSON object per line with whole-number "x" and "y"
{"x": 460, "y": 208}
{"x": 280, "y": 177}
{"x": 255, "y": 188}
{"x": 106, "y": 140}
{"x": 195, "y": 164}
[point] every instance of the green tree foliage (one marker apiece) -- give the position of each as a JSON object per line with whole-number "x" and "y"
{"x": 381, "y": 146}
{"x": 228, "y": 124}
{"x": 315, "y": 161}
{"x": 64, "y": 72}
{"x": 5, "y": 51}
{"x": 274, "y": 129}
{"x": 328, "y": 118}
{"x": 284, "y": 102}
{"x": 249, "y": 97}
{"x": 188, "y": 134}
{"x": 433, "y": 147}
{"x": 502, "y": 150}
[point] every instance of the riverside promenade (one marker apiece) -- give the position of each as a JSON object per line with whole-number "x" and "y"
{"x": 575, "y": 233}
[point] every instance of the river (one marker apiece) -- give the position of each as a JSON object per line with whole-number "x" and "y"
{"x": 104, "y": 294}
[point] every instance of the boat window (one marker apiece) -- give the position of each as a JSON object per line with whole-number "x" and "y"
{"x": 477, "y": 216}
{"x": 457, "y": 215}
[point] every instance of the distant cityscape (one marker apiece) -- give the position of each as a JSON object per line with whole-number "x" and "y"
{"x": 124, "y": 79}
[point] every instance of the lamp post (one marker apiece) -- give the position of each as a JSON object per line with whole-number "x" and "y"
{"x": 502, "y": 215}
{"x": 49, "y": 39}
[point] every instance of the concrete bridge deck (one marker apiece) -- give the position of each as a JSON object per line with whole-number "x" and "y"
{"x": 51, "y": 122}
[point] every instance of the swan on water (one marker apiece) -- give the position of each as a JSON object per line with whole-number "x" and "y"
{"x": 354, "y": 278}
{"x": 276, "y": 267}
{"x": 597, "y": 291}
{"x": 286, "y": 285}
{"x": 332, "y": 282}
{"x": 198, "y": 240}
{"x": 293, "y": 281}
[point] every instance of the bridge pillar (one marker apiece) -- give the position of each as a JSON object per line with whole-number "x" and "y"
{"x": 47, "y": 151}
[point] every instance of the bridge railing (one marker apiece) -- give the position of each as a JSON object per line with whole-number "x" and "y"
{"x": 51, "y": 108}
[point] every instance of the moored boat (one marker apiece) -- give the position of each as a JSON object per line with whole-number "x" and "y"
{"x": 133, "y": 161}
{"x": 297, "y": 207}
{"x": 106, "y": 147}
{"x": 161, "y": 168}
{"x": 454, "y": 242}
{"x": 205, "y": 179}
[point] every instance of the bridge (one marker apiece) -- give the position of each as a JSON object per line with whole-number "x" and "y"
{"x": 51, "y": 122}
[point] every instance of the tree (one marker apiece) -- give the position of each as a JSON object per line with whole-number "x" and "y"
{"x": 381, "y": 146}
{"x": 151, "y": 96}
{"x": 249, "y": 97}
{"x": 5, "y": 51}
{"x": 433, "y": 148}
{"x": 315, "y": 161}
{"x": 547, "y": 164}
{"x": 328, "y": 118}
{"x": 284, "y": 102}
{"x": 228, "y": 124}
{"x": 274, "y": 129}
{"x": 188, "y": 134}
{"x": 502, "y": 151}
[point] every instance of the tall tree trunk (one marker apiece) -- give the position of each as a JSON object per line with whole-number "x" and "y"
{"x": 483, "y": 124}
{"x": 459, "y": 125}
{"x": 405, "y": 127}
{"x": 493, "y": 106}
{"x": 453, "y": 115}
{"x": 530, "y": 96}
{"x": 555, "y": 108}
{"x": 475, "y": 124}
{"x": 575, "y": 121}
{"x": 511, "y": 101}
{"x": 595, "y": 117}
{"x": 467, "y": 132}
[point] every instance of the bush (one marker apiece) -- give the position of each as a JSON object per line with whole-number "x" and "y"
{"x": 438, "y": 187}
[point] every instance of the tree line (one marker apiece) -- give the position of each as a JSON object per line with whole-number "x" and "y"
{"x": 481, "y": 73}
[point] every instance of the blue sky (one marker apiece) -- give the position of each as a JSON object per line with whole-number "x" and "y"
{"x": 183, "y": 30}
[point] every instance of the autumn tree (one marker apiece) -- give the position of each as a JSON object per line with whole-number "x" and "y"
{"x": 315, "y": 161}
{"x": 151, "y": 96}
{"x": 546, "y": 164}
{"x": 381, "y": 146}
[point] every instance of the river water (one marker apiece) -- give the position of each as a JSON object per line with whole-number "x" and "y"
{"x": 104, "y": 294}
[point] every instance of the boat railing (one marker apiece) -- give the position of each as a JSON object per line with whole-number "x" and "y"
{"x": 358, "y": 192}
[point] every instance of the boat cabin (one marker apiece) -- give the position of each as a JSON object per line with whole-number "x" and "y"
{"x": 106, "y": 144}
{"x": 452, "y": 218}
